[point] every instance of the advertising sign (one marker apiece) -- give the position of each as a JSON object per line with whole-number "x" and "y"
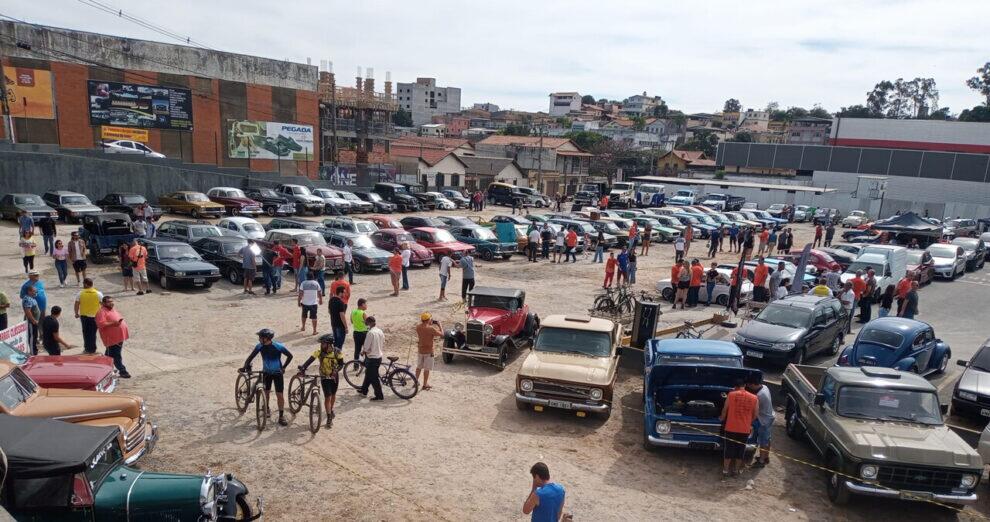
{"x": 29, "y": 93}
{"x": 145, "y": 106}
{"x": 17, "y": 337}
{"x": 123, "y": 133}
{"x": 269, "y": 140}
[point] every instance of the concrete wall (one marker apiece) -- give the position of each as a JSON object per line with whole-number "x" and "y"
{"x": 938, "y": 197}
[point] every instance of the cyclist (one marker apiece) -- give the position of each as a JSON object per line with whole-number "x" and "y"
{"x": 331, "y": 361}
{"x": 271, "y": 367}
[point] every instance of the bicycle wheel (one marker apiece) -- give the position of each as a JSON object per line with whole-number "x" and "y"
{"x": 297, "y": 393}
{"x": 260, "y": 408}
{"x": 315, "y": 410}
{"x": 403, "y": 383}
{"x": 603, "y": 303}
{"x": 242, "y": 393}
{"x": 354, "y": 373}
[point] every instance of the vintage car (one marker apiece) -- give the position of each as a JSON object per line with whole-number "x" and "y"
{"x": 459, "y": 221}
{"x": 685, "y": 383}
{"x": 302, "y": 198}
{"x": 172, "y": 263}
{"x": 71, "y": 206}
{"x": 127, "y": 203}
{"x": 389, "y": 239}
{"x": 13, "y": 204}
{"x": 971, "y": 395}
{"x": 366, "y": 256}
{"x": 440, "y": 242}
{"x": 104, "y": 232}
{"x": 498, "y": 322}
{"x": 334, "y": 204}
{"x": 720, "y": 294}
{"x": 819, "y": 259}
{"x": 398, "y": 195}
{"x": 378, "y": 203}
{"x": 899, "y": 343}
{"x": 22, "y": 397}
{"x": 350, "y": 225}
{"x": 225, "y": 253}
{"x": 441, "y": 201}
{"x": 310, "y": 241}
{"x": 357, "y": 204}
{"x": 459, "y": 199}
{"x": 271, "y": 202}
{"x": 245, "y": 227}
{"x": 235, "y": 201}
{"x": 196, "y": 204}
{"x": 189, "y": 231}
{"x": 484, "y": 241}
{"x": 855, "y": 219}
{"x": 385, "y": 222}
{"x": 300, "y": 223}
{"x": 411, "y": 222}
{"x": 572, "y": 366}
{"x": 61, "y": 471}
{"x": 921, "y": 266}
{"x": 73, "y": 372}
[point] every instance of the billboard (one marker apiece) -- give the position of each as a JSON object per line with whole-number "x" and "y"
{"x": 123, "y": 133}
{"x": 269, "y": 140}
{"x": 29, "y": 93}
{"x": 145, "y": 106}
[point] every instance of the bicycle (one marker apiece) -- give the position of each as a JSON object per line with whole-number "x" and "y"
{"x": 304, "y": 390}
{"x": 397, "y": 376}
{"x": 690, "y": 332}
{"x": 250, "y": 388}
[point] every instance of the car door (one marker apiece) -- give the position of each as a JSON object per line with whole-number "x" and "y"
{"x": 924, "y": 347}
{"x": 818, "y": 333}
{"x": 152, "y": 264}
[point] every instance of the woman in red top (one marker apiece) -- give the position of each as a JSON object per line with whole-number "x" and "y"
{"x": 395, "y": 270}
{"x": 609, "y": 270}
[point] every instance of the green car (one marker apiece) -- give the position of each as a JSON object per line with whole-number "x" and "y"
{"x": 664, "y": 234}
{"x": 484, "y": 241}
{"x": 61, "y": 471}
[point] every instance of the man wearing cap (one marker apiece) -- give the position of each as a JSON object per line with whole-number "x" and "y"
{"x": 427, "y": 331}
{"x": 272, "y": 367}
{"x": 32, "y": 314}
{"x": 331, "y": 361}
{"x": 34, "y": 281}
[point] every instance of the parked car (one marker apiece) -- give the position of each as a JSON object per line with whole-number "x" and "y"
{"x": 895, "y": 342}
{"x": 971, "y": 394}
{"x": 366, "y": 256}
{"x": 985, "y": 237}
{"x": 534, "y": 198}
{"x": 242, "y": 226}
{"x": 572, "y": 366}
{"x": 921, "y": 266}
{"x": 225, "y": 253}
{"x": 13, "y": 204}
{"x": 301, "y": 223}
{"x": 310, "y": 241}
{"x": 960, "y": 227}
{"x": 335, "y": 203}
{"x": 505, "y": 194}
{"x": 824, "y": 216}
{"x": 498, "y": 323}
{"x": 723, "y": 202}
{"x": 390, "y": 239}
{"x": 73, "y": 372}
{"x": 720, "y": 294}
{"x": 855, "y": 219}
{"x": 385, "y": 222}
{"x": 188, "y": 231}
{"x": 61, "y": 471}
{"x": 379, "y": 203}
{"x": 235, "y": 201}
{"x": 357, "y": 204}
{"x": 459, "y": 221}
{"x": 103, "y": 234}
{"x": 398, "y": 195}
{"x": 351, "y": 225}
{"x": 441, "y": 201}
{"x": 801, "y": 213}
{"x": 611, "y": 233}
{"x": 853, "y": 248}
{"x": 426, "y": 201}
{"x": 173, "y": 263}
{"x": 271, "y": 202}
{"x": 819, "y": 259}
{"x": 950, "y": 260}
{"x": 71, "y": 206}
{"x": 842, "y": 257}
{"x": 975, "y": 250}
{"x": 791, "y": 329}
{"x": 889, "y": 264}
{"x": 22, "y": 397}
{"x": 484, "y": 241}
{"x": 683, "y": 197}
{"x": 776, "y": 210}
{"x": 196, "y": 204}
{"x": 127, "y": 203}
{"x": 440, "y": 242}
{"x": 129, "y": 147}
{"x": 302, "y": 198}
{"x": 411, "y": 222}
{"x": 880, "y": 433}
{"x": 457, "y": 197}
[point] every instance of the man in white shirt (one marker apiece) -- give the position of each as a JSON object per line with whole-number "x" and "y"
{"x": 309, "y": 298}
{"x": 406, "y": 257}
{"x": 373, "y": 351}
{"x": 445, "y": 263}
{"x": 558, "y": 251}
{"x": 534, "y": 242}
{"x": 848, "y": 299}
{"x": 349, "y": 261}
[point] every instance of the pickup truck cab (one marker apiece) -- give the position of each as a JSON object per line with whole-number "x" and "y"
{"x": 723, "y": 202}
{"x": 880, "y": 433}
{"x": 684, "y": 388}
{"x": 398, "y": 195}
{"x": 683, "y": 197}
{"x": 300, "y": 196}
{"x": 623, "y": 194}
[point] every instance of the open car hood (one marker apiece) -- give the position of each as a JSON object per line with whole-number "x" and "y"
{"x": 701, "y": 375}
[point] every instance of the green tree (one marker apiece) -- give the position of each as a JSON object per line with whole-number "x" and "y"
{"x": 941, "y": 114}
{"x": 585, "y": 139}
{"x": 794, "y": 113}
{"x": 732, "y": 105}
{"x": 705, "y": 141}
{"x": 564, "y": 122}
{"x": 402, "y": 118}
{"x": 981, "y": 82}
{"x": 779, "y": 115}
{"x": 515, "y": 129}
{"x": 978, "y": 113}
{"x": 856, "y": 111}
{"x": 661, "y": 110}
{"x": 679, "y": 118}
{"x": 742, "y": 137}
{"x": 818, "y": 112}
{"x": 607, "y": 156}
{"x": 772, "y": 106}
{"x": 588, "y": 99}
{"x": 639, "y": 122}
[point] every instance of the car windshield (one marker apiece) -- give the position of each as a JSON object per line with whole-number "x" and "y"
{"x": 27, "y": 200}
{"x": 611, "y": 228}
{"x": 669, "y": 221}
{"x": 889, "y": 404}
{"x": 914, "y": 257}
{"x": 253, "y": 227}
{"x": 311, "y": 239}
{"x": 267, "y": 193}
{"x": 880, "y": 337}
{"x": 362, "y": 242}
{"x": 365, "y": 227}
{"x": 373, "y": 196}
{"x": 301, "y": 190}
{"x": 102, "y": 464}
{"x": 199, "y": 232}
{"x": 233, "y": 247}
{"x": 9, "y": 353}
{"x": 485, "y": 234}
{"x": 132, "y": 200}
{"x": 565, "y": 340}
{"x": 690, "y": 219}
{"x": 864, "y": 266}
{"x": 401, "y": 190}
{"x": 348, "y": 196}
{"x": 404, "y": 238}
{"x": 177, "y": 252}
{"x": 75, "y": 200}
{"x": 787, "y": 316}
{"x": 967, "y": 244}
{"x": 15, "y": 388}
{"x": 981, "y": 361}
{"x": 197, "y": 196}
{"x": 776, "y": 206}
{"x": 685, "y": 193}
{"x": 707, "y": 219}
{"x": 235, "y": 193}
{"x": 942, "y": 250}
{"x": 442, "y": 236}
{"x": 493, "y": 301}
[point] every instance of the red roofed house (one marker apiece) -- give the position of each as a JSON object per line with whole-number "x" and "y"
{"x": 552, "y": 165}
{"x": 681, "y": 160}
{"x": 433, "y": 168}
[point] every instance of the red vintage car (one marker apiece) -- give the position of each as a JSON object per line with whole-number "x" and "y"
{"x": 816, "y": 258}
{"x": 922, "y": 265}
{"x": 498, "y": 322}
{"x": 74, "y": 372}
{"x": 389, "y": 239}
{"x": 309, "y": 240}
{"x": 440, "y": 242}
{"x": 385, "y": 222}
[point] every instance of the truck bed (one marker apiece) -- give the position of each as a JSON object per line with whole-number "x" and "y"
{"x": 805, "y": 380}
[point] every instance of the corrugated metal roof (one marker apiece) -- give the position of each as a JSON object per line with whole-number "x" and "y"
{"x": 724, "y": 183}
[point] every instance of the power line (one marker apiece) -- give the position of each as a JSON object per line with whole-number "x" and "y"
{"x": 143, "y": 23}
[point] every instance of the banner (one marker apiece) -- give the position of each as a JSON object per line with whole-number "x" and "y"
{"x": 123, "y": 133}
{"x": 802, "y": 267}
{"x": 145, "y": 106}
{"x": 269, "y": 140}
{"x": 29, "y": 93}
{"x": 17, "y": 337}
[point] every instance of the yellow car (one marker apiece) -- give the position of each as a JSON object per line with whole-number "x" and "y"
{"x": 196, "y": 204}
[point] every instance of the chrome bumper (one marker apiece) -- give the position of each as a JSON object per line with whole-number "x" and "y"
{"x": 149, "y": 445}
{"x": 472, "y": 353}
{"x": 576, "y": 406}
{"x": 872, "y": 491}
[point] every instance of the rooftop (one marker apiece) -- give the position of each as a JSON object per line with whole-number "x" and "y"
{"x": 730, "y": 184}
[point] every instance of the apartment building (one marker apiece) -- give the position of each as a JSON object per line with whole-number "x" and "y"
{"x": 424, "y": 100}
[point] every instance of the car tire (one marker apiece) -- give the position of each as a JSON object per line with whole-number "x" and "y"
{"x": 722, "y": 300}
{"x": 503, "y": 356}
{"x": 234, "y": 277}
{"x": 488, "y": 255}
{"x": 943, "y": 363}
{"x": 318, "y": 212}
{"x": 271, "y": 211}
{"x": 835, "y": 482}
{"x": 792, "y": 417}
{"x": 163, "y": 281}
{"x": 836, "y": 344}
{"x": 447, "y": 357}
{"x": 667, "y": 293}
{"x": 195, "y": 213}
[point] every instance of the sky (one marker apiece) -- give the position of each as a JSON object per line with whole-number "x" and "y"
{"x": 514, "y": 53}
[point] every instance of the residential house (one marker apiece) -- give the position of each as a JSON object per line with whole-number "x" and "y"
{"x": 456, "y": 124}
{"x": 700, "y": 119}
{"x": 487, "y": 107}
{"x": 433, "y": 168}
{"x": 424, "y": 100}
{"x": 808, "y": 131}
{"x": 640, "y": 105}
{"x": 677, "y": 161}
{"x": 563, "y": 103}
{"x": 433, "y": 129}
{"x": 551, "y": 165}
{"x": 754, "y": 121}
{"x": 483, "y": 170}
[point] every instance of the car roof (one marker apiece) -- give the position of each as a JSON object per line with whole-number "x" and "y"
{"x": 498, "y": 292}
{"x": 578, "y": 322}
{"x": 64, "y": 192}
{"x": 159, "y": 241}
{"x": 431, "y": 230}
{"x": 224, "y": 188}
{"x": 294, "y": 231}
{"x": 38, "y": 447}
{"x": 190, "y": 223}
{"x": 239, "y": 219}
{"x": 878, "y": 377}
{"x": 802, "y": 301}
{"x": 900, "y": 325}
{"x": 700, "y": 347}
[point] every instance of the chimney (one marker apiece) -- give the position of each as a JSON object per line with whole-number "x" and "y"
{"x": 358, "y": 78}
{"x": 369, "y": 81}
{"x": 323, "y": 65}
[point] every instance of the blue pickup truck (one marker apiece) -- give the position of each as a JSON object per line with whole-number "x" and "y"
{"x": 685, "y": 385}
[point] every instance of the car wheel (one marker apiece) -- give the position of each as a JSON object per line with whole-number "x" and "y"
{"x": 722, "y": 300}
{"x": 835, "y": 481}
{"x": 318, "y": 212}
{"x": 667, "y": 293}
{"x": 271, "y": 211}
{"x": 195, "y": 213}
{"x": 943, "y": 363}
{"x": 836, "y": 343}
{"x": 358, "y": 267}
{"x": 163, "y": 281}
{"x": 488, "y": 255}
{"x": 447, "y": 357}
{"x": 792, "y": 421}
{"x": 503, "y": 356}
{"x": 234, "y": 277}
{"x": 798, "y": 356}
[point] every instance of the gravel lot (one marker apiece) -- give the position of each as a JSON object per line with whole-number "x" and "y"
{"x": 458, "y": 452}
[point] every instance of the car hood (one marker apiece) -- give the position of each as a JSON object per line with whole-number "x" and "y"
{"x": 487, "y": 315}
{"x": 186, "y": 265}
{"x": 80, "y": 406}
{"x": 943, "y": 261}
{"x": 83, "y": 208}
{"x": 239, "y": 201}
{"x": 771, "y": 333}
{"x": 374, "y": 253}
{"x": 905, "y": 443}
{"x": 869, "y": 354}
{"x": 975, "y": 381}
{"x": 568, "y": 367}
{"x": 35, "y": 208}
{"x": 151, "y": 494}
{"x": 702, "y": 375}
{"x": 68, "y": 371}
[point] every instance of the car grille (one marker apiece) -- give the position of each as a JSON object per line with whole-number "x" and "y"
{"x": 983, "y": 400}
{"x": 252, "y": 208}
{"x": 474, "y": 333}
{"x": 562, "y": 390}
{"x": 756, "y": 343}
{"x": 38, "y": 215}
{"x": 134, "y": 437}
{"x": 919, "y": 479}
{"x": 198, "y": 273}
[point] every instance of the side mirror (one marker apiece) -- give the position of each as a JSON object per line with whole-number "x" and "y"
{"x": 964, "y": 364}
{"x": 819, "y": 399}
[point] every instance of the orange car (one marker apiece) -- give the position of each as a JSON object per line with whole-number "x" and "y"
{"x": 196, "y": 204}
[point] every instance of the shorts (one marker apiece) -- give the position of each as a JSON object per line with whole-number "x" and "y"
{"x": 79, "y": 265}
{"x": 249, "y": 273}
{"x": 443, "y": 282}
{"x": 309, "y": 310}
{"x": 329, "y": 386}
{"x": 141, "y": 275}
{"x": 269, "y": 378}
{"x": 424, "y": 361}
{"x": 763, "y": 434}
{"x": 127, "y": 272}
{"x": 682, "y": 285}
{"x": 560, "y": 249}
{"x": 735, "y": 445}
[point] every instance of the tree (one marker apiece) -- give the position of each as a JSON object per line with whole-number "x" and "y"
{"x": 742, "y": 137}
{"x": 878, "y": 100}
{"x": 638, "y": 122}
{"x": 678, "y": 118}
{"x": 981, "y": 82}
{"x": 705, "y": 141}
{"x": 515, "y": 129}
{"x": 856, "y": 111}
{"x": 732, "y": 105}
{"x": 903, "y": 99}
{"x": 585, "y": 139}
{"x": 779, "y": 115}
{"x": 941, "y": 114}
{"x": 978, "y": 113}
{"x": 402, "y": 118}
{"x": 772, "y": 107}
{"x": 564, "y": 122}
{"x": 661, "y": 110}
{"x": 818, "y": 112}
{"x": 607, "y": 157}
{"x": 588, "y": 99}
{"x": 794, "y": 113}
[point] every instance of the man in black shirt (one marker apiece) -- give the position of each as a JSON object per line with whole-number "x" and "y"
{"x": 50, "y": 338}
{"x": 338, "y": 317}
{"x": 47, "y": 226}
{"x": 546, "y": 235}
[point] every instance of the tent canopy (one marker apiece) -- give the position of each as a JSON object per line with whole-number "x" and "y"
{"x": 909, "y": 223}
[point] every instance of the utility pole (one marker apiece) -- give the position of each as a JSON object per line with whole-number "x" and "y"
{"x": 539, "y": 163}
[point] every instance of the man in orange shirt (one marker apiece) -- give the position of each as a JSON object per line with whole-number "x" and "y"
{"x": 571, "y": 241}
{"x": 694, "y": 288}
{"x": 139, "y": 258}
{"x": 760, "y": 275}
{"x": 738, "y": 413}
{"x": 764, "y": 241}
{"x": 858, "y": 285}
{"x": 395, "y": 270}
{"x": 610, "y": 265}
{"x": 338, "y": 281}
{"x": 734, "y": 289}
{"x": 903, "y": 287}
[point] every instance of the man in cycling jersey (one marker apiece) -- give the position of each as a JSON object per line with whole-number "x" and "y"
{"x": 271, "y": 367}
{"x": 331, "y": 361}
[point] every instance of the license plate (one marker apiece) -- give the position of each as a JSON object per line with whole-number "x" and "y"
{"x": 916, "y": 495}
{"x": 564, "y": 405}
{"x": 199, "y": 280}
{"x": 751, "y": 353}
{"x": 985, "y": 412}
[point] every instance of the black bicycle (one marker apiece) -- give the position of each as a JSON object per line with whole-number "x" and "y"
{"x": 690, "y": 332}
{"x": 304, "y": 390}
{"x": 250, "y": 388}
{"x": 396, "y": 376}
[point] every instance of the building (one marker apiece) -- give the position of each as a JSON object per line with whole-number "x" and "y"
{"x": 456, "y": 124}
{"x": 487, "y": 107}
{"x": 933, "y": 135}
{"x": 424, "y": 100}
{"x": 640, "y": 105}
{"x": 77, "y": 89}
{"x": 483, "y": 170}
{"x": 808, "y": 131}
{"x": 754, "y": 121}
{"x": 551, "y": 165}
{"x": 433, "y": 129}
{"x": 563, "y": 103}
{"x": 433, "y": 168}
{"x": 677, "y": 161}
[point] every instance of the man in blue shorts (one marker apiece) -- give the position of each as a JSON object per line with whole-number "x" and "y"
{"x": 546, "y": 499}
{"x": 272, "y": 367}
{"x": 764, "y": 418}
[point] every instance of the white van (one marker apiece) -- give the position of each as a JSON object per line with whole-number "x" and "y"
{"x": 887, "y": 261}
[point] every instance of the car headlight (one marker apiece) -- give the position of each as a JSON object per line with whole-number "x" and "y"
{"x": 868, "y": 471}
{"x": 596, "y": 394}
{"x": 209, "y": 491}
{"x": 458, "y": 327}
{"x": 782, "y": 346}
{"x": 738, "y": 339}
{"x": 968, "y": 481}
{"x": 663, "y": 427}
{"x": 967, "y": 395}
{"x": 180, "y": 274}
{"x": 526, "y": 385}
{"x": 489, "y": 329}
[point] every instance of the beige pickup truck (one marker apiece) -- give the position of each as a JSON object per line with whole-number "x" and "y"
{"x": 572, "y": 366}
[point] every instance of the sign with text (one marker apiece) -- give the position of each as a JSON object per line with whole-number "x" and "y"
{"x": 269, "y": 140}
{"x": 29, "y": 93}
{"x": 144, "y": 106}
{"x": 123, "y": 133}
{"x": 17, "y": 337}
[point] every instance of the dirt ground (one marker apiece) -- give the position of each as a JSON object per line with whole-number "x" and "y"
{"x": 460, "y": 451}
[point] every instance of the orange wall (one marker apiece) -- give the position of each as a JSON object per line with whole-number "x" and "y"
{"x": 207, "y": 140}
{"x": 259, "y": 107}
{"x": 308, "y": 112}
{"x": 72, "y": 105}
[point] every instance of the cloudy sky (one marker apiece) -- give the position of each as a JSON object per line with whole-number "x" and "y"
{"x": 513, "y": 53}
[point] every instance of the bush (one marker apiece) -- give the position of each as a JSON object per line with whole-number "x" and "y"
{"x": 719, "y": 174}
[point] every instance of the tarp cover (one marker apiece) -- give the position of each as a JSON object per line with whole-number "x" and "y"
{"x": 908, "y": 223}
{"x": 45, "y": 447}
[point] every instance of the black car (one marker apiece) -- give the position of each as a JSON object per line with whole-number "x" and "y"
{"x": 127, "y": 203}
{"x": 398, "y": 194}
{"x": 426, "y": 201}
{"x": 225, "y": 253}
{"x": 792, "y": 329}
{"x": 457, "y": 221}
{"x": 380, "y": 205}
{"x": 410, "y": 222}
{"x": 188, "y": 231}
{"x": 71, "y": 206}
{"x": 277, "y": 223}
{"x": 172, "y": 263}
{"x": 271, "y": 202}
{"x": 367, "y": 257}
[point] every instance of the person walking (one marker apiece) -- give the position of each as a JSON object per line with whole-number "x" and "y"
{"x": 395, "y": 270}
{"x": 739, "y": 411}
{"x": 760, "y": 274}
{"x": 427, "y": 332}
{"x": 373, "y": 351}
{"x": 631, "y": 268}
{"x": 545, "y": 502}
{"x": 28, "y": 248}
{"x": 467, "y": 275}
{"x": 679, "y": 245}
{"x": 688, "y": 236}
{"x": 338, "y": 282}
{"x": 818, "y": 236}
{"x": 546, "y": 237}
{"x": 531, "y": 246}
{"x": 318, "y": 268}
{"x": 50, "y": 338}
{"x": 139, "y": 256}
{"x": 711, "y": 279}
{"x": 633, "y": 236}
{"x": 86, "y": 307}
{"x": 113, "y": 333}
{"x": 764, "y": 241}
{"x": 445, "y": 263}
{"x": 25, "y": 223}
{"x": 61, "y": 256}
{"x": 358, "y": 315}
{"x": 610, "y": 270}
{"x": 48, "y": 232}
{"x": 771, "y": 241}
{"x": 681, "y": 273}
{"x": 829, "y": 234}
{"x": 298, "y": 263}
{"x": 249, "y": 264}
{"x": 570, "y": 243}
{"x": 309, "y": 298}
{"x": 848, "y": 299}
{"x": 32, "y": 314}
{"x": 558, "y": 251}
{"x": 886, "y": 301}
{"x": 782, "y": 242}
{"x": 282, "y": 256}
{"x": 349, "y": 260}
{"x": 406, "y": 254}
{"x": 623, "y": 263}
{"x": 338, "y": 316}
{"x": 126, "y": 267}
{"x": 694, "y": 284}
{"x": 713, "y": 242}
{"x": 77, "y": 255}
{"x": 866, "y": 298}
{"x": 646, "y": 239}
{"x": 330, "y": 363}
{"x": 733, "y": 237}
{"x": 599, "y": 247}
{"x": 910, "y": 308}
{"x": 764, "y": 418}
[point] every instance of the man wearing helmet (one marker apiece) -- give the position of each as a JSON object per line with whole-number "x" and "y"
{"x": 426, "y": 331}
{"x": 271, "y": 367}
{"x": 331, "y": 361}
